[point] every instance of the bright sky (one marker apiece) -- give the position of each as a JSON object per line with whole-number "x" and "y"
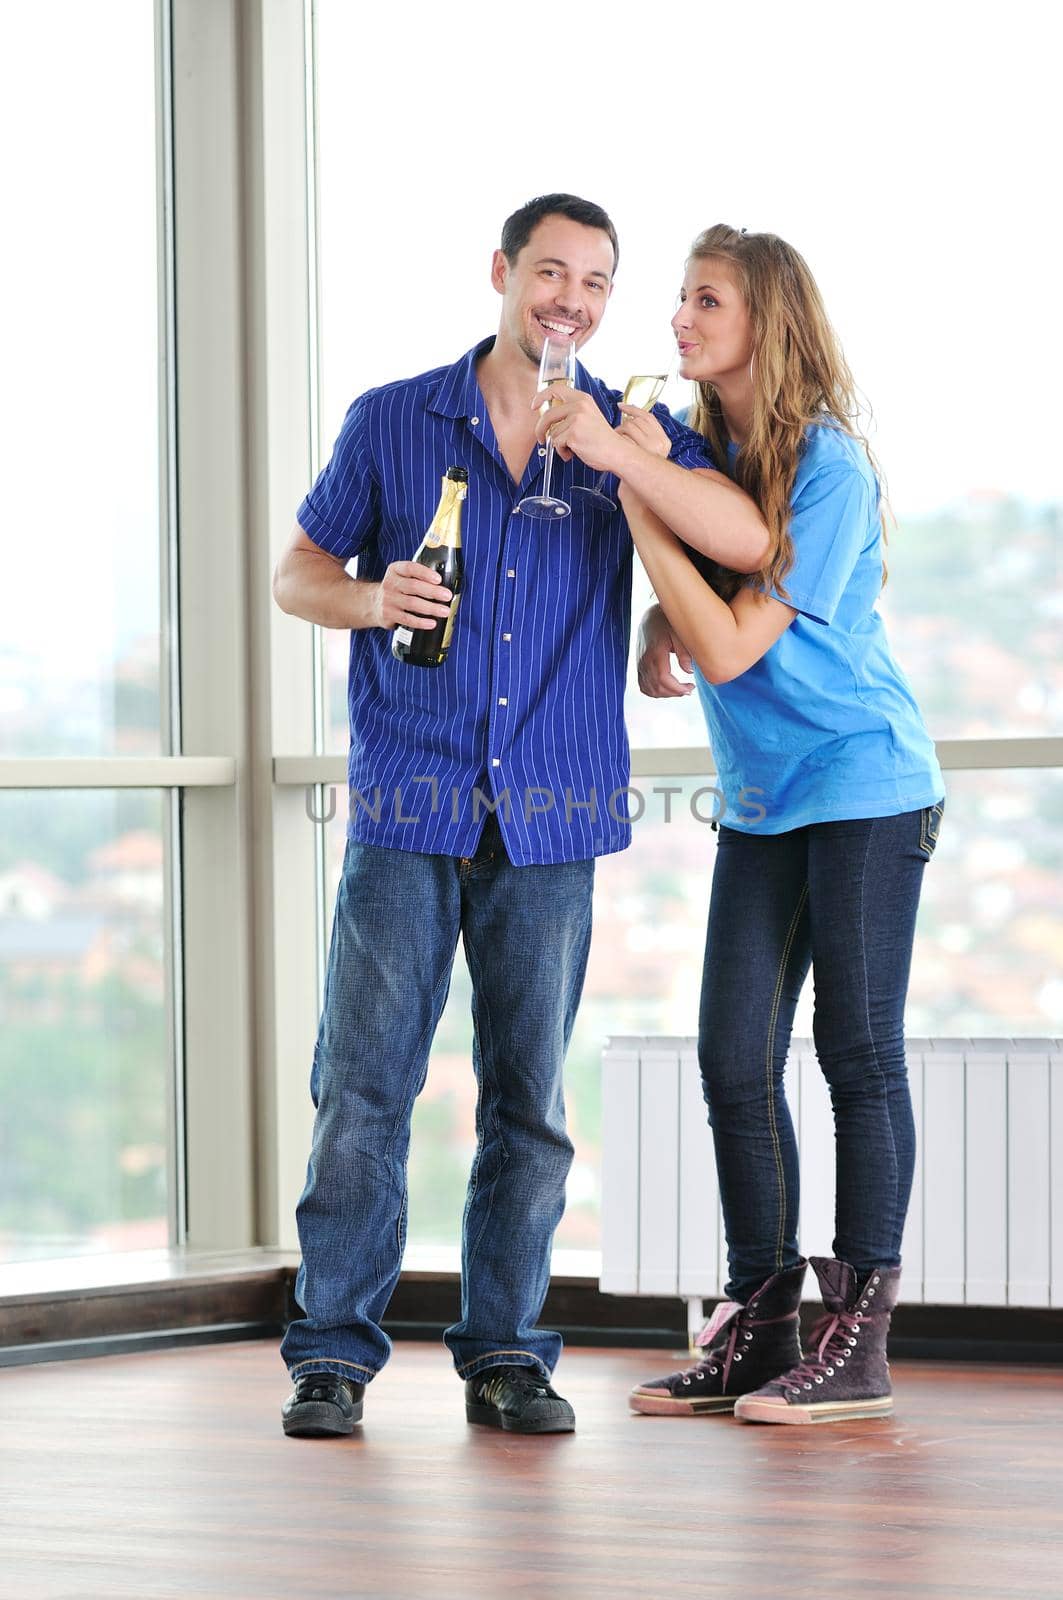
{"x": 909, "y": 151}
{"x": 78, "y": 330}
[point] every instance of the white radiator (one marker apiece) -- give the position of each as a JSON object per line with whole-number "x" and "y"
{"x": 985, "y": 1225}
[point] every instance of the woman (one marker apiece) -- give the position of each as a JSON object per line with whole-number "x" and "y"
{"x": 833, "y": 802}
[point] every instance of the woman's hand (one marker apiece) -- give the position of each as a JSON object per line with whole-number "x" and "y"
{"x": 643, "y": 429}
{"x": 656, "y": 646}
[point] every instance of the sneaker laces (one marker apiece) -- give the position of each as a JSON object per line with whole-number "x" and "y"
{"x": 729, "y": 1322}
{"x": 320, "y": 1386}
{"x": 833, "y": 1337}
{"x": 524, "y": 1379}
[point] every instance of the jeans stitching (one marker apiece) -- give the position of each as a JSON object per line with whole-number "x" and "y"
{"x": 429, "y": 1027}
{"x": 474, "y": 1189}
{"x": 336, "y": 1361}
{"x": 405, "y": 1104}
{"x": 491, "y": 1357}
{"x": 871, "y": 1037}
{"x": 770, "y": 1063}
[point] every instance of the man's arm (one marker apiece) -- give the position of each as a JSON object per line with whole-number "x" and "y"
{"x": 311, "y": 584}
{"x": 705, "y": 509}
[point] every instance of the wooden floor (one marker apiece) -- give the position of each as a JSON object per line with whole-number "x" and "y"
{"x": 167, "y": 1475}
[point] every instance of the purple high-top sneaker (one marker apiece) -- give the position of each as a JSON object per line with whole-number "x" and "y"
{"x": 744, "y": 1345}
{"x": 845, "y": 1375}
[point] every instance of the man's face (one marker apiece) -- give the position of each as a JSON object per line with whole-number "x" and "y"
{"x": 557, "y": 287}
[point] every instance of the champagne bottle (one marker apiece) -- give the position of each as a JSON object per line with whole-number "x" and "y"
{"x": 441, "y": 550}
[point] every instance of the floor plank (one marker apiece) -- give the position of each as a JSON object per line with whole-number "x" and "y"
{"x": 166, "y": 1475}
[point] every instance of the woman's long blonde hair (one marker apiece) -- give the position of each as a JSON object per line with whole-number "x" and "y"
{"x": 800, "y": 376}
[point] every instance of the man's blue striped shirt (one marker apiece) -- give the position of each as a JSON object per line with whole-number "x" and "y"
{"x": 526, "y": 713}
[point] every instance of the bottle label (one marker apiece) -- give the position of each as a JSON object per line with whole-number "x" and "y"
{"x": 404, "y": 635}
{"x": 449, "y": 629}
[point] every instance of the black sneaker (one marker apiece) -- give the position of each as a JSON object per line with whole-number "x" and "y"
{"x": 322, "y": 1405}
{"x": 517, "y": 1399}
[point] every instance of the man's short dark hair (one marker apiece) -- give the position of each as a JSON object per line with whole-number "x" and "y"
{"x": 518, "y": 229}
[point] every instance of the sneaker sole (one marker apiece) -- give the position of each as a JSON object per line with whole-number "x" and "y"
{"x": 490, "y": 1417}
{"x": 651, "y": 1403}
{"x": 750, "y": 1410}
{"x": 316, "y": 1419}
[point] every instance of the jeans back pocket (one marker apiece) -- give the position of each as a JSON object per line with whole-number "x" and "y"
{"x": 930, "y": 827}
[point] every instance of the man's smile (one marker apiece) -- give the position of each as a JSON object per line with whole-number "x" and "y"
{"x": 562, "y": 327}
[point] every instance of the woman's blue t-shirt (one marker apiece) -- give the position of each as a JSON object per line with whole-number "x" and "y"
{"x": 824, "y": 726}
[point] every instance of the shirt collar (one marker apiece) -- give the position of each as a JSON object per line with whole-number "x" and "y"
{"x": 458, "y": 393}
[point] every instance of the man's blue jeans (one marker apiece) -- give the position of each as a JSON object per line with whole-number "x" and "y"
{"x": 840, "y": 897}
{"x": 526, "y": 932}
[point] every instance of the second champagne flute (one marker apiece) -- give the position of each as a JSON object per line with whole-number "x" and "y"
{"x": 644, "y": 390}
{"x": 557, "y": 365}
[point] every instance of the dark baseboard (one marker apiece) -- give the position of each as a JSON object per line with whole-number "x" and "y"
{"x": 579, "y": 1311}
{"x": 126, "y": 1344}
{"x": 145, "y": 1309}
{"x": 258, "y": 1304}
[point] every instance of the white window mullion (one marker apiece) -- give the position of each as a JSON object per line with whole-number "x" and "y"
{"x": 280, "y": 300}
{"x": 210, "y": 351}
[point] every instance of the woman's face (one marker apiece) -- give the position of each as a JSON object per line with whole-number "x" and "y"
{"x": 712, "y": 326}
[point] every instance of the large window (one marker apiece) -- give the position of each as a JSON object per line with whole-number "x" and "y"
{"x": 952, "y": 335}
{"x": 84, "y": 1056}
{"x": 86, "y": 1121}
{"x": 79, "y": 414}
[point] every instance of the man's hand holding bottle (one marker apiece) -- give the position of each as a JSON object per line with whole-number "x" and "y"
{"x": 410, "y": 595}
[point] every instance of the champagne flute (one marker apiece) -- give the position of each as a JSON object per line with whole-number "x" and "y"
{"x": 643, "y": 390}
{"x": 557, "y": 365}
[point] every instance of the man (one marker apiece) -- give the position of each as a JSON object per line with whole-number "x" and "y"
{"x": 481, "y": 791}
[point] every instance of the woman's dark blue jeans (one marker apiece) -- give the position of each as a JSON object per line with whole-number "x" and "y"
{"x": 841, "y": 898}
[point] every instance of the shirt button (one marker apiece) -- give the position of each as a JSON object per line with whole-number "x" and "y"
{"x": 495, "y": 762}
{"x": 511, "y": 573}
{"x": 507, "y": 637}
{"x": 542, "y": 453}
{"x": 503, "y": 702}
{"x": 473, "y": 421}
